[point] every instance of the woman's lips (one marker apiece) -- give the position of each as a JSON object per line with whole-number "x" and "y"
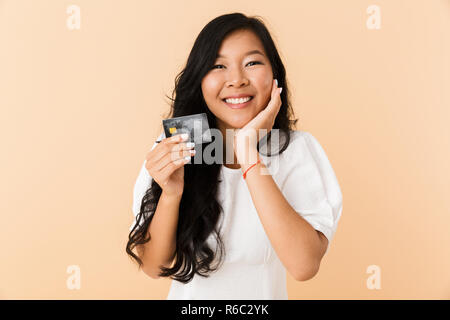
{"x": 239, "y": 105}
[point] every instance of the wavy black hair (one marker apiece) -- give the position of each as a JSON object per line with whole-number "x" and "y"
{"x": 199, "y": 209}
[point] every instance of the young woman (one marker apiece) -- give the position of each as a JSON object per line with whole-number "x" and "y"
{"x": 230, "y": 231}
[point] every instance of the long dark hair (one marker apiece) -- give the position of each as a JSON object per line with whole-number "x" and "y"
{"x": 199, "y": 209}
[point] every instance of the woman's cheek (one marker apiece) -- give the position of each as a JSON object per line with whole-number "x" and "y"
{"x": 269, "y": 83}
{"x": 211, "y": 90}
{"x": 265, "y": 96}
{"x": 266, "y": 86}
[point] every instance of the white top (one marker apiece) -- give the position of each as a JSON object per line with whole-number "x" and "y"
{"x": 252, "y": 269}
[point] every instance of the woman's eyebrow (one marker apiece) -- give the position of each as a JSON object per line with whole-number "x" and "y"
{"x": 247, "y": 54}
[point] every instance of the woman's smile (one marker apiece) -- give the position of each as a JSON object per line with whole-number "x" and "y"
{"x": 239, "y": 103}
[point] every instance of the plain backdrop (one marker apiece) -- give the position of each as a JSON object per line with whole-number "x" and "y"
{"x": 81, "y": 108}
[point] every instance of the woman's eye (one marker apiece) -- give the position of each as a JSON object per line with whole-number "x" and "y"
{"x": 257, "y": 62}
{"x": 220, "y": 65}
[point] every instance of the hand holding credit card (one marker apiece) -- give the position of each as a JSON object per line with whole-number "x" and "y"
{"x": 196, "y": 126}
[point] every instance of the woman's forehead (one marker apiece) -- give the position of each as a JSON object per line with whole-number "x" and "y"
{"x": 242, "y": 41}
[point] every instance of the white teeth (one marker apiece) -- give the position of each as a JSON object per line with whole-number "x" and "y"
{"x": 238, "y": 101}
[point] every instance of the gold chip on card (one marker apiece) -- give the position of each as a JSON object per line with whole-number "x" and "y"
{"x": 195, "y": 125}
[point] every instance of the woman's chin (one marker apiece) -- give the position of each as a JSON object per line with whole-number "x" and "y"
{"x": 239, "y": 124}
{"x": 239, "y": 121}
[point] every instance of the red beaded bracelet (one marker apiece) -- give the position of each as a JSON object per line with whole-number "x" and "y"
{"x": 245, "y": 173}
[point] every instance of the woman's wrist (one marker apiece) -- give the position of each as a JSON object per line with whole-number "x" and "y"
{"x": 171, "y": 197}
{"x": 245, "y": 148}
{"x": 247, "y": 159}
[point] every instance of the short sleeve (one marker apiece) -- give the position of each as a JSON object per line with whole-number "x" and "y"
{"x": 311, "y": 186}
{"x": 142, "y": 184}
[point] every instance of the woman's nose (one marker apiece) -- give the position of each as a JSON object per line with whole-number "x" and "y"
{"x": 237, "y": 78}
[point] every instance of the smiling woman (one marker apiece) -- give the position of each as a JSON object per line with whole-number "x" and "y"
{"x": 243, "y": 82}
{"x": 226, "y": 237}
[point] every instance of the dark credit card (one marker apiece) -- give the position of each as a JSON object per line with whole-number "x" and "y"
{"x": 195, "y": 125}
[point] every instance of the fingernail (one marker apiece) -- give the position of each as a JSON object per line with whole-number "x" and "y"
{"x": 276, "y": 81}
{"x": 281, "y": 89}
{"x": 184, "y": 136}
{"x": 190, "y": 144}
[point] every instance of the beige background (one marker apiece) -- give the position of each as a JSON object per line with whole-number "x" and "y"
{"x": 80, "y": 109}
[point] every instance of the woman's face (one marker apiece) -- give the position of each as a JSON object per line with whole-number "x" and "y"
{"x": 236, "y": 72}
